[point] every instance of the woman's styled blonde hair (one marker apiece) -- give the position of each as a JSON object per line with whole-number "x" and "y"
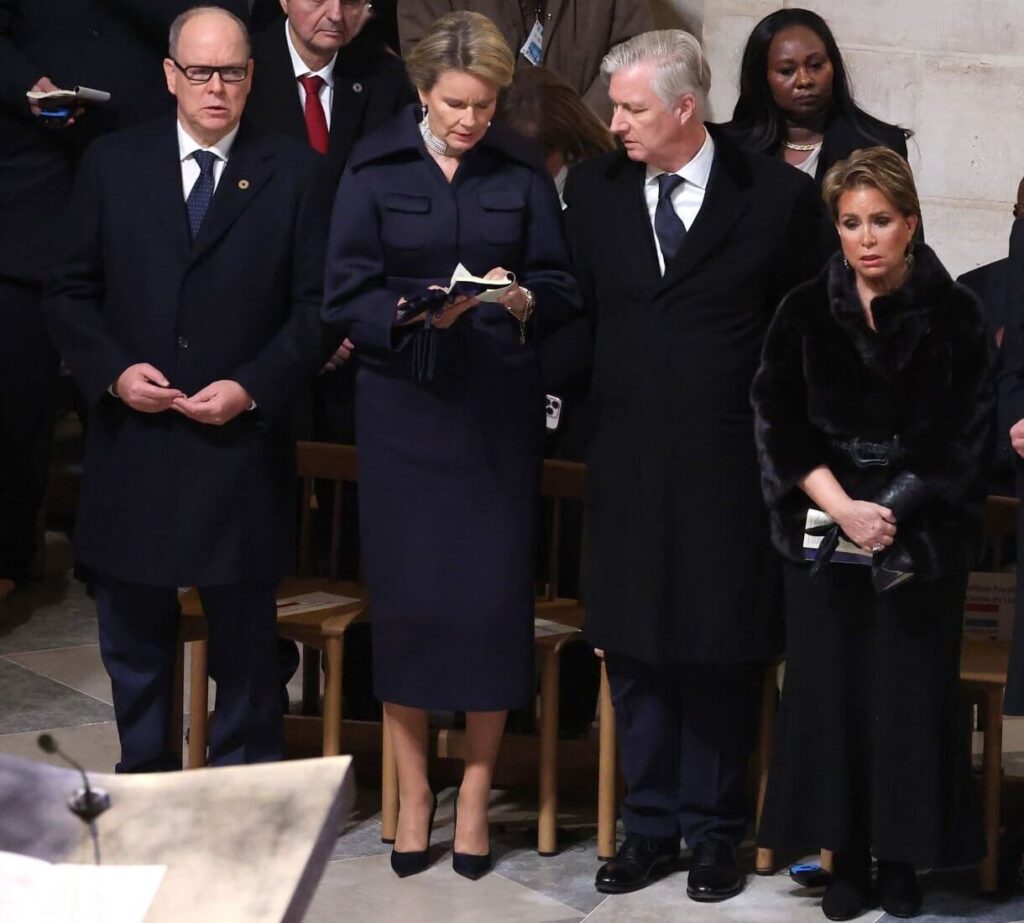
{"x": 879, "y": 168}
{"x": 461, "y": 41}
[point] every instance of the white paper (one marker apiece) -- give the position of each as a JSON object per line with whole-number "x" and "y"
{"x": 542, "y": 628}
{"x": 311, "y": 602}
{"x": 846, "y": 552}
{"x": 36, "y": 891}
{"x": 462, "y": 274}
{"x": 78, "y": 94}
{"x": 989, "y": 609}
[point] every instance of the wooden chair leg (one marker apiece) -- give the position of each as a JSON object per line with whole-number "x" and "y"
{"x": 176, "y": 731}
{"x": 199, "y": 705}
{"x": 992, "y": 773}
{"x": 547, "y": 815}
{"x": 606, "y": 793}
{"x": 764, "y": 863}
{"x": 388, "y": 786}
{"x": 825, "y": 859}
{"x": 334, "y": 649}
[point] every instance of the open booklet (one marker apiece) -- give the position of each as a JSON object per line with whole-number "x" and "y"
{"x": 817, "y": 524}
{"x": 65, "y": 99}
{"x": 463, "y": 284}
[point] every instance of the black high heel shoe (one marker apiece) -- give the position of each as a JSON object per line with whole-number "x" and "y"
{"x": 466, "y": 864}
{"x": 413, "y": 861}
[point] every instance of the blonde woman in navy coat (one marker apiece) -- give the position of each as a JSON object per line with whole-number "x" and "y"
{"x": 449, "y": 414}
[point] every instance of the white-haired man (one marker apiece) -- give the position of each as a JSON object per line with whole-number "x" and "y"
{"x": 683, "y": 245}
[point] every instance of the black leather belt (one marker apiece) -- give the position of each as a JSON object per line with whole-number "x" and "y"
{"x": 870, "y": 453}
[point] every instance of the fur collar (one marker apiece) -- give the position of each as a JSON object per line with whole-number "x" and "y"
{"x": 903, "y": 317}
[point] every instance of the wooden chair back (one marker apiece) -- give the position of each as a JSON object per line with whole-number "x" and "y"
{"x": 322, "y": 461}
{"x": 1000, "y": 528}
{"x": 562, "y": 488}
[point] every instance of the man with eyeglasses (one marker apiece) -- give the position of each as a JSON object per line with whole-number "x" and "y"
{"x": 113, "y": 45}
{"x": 184, "y": 300}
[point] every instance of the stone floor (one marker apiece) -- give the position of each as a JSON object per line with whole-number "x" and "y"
{"x": 51, "y": 679}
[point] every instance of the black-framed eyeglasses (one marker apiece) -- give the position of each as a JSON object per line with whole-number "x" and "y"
{"x": 203, "y": 73}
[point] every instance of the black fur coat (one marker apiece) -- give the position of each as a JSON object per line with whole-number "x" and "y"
{"x": 922, "y": 385}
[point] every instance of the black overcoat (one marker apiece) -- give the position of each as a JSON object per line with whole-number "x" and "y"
{"x": 449, "y": 465}
{"x": 679, "y": 560}
{"x": 164, "y": 500}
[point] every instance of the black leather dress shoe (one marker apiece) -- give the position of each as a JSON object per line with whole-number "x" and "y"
{"x": 714, "y": 873}
{"x": 898, "y": 889}
{"x": 638, "y": 859}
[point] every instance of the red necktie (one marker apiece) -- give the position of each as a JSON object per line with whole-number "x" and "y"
{"x": 316, "y": 121}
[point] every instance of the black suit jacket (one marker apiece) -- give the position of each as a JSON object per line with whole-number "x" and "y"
{"x": 164, "y": 500}
{"x": 680, "y": 567}
{"x": 370, "y": 86}
{"x": 113, "y": 45}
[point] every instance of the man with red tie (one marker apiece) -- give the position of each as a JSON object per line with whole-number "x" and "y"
{"x": 318, "y": 79}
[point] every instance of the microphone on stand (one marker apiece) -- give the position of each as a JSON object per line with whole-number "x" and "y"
{"x": 86, "y": 802}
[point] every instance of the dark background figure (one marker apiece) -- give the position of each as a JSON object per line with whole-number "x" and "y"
{"x": 113, "y": 45}
{"x": 795, "y": 100}
{"x": 185, "y": 301}
{"x": 362, "y": 86}
{"x": 543, "y": 106}
{"x": 449, "y": 450}
{"x": 874, "y": 404}
{"x": 683, "y": 588}
{"x": 1003, "y": 304}
{"x": 577, "y": 33}
{"x": 383, "y": 26}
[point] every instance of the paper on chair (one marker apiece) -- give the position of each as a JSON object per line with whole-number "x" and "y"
{"x": 311, "y": 602}
{"x": 542, "y": 628}
{"x": 33, "y": 891}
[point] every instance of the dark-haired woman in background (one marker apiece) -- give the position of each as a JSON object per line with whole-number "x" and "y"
{"x": 795, "y": 99}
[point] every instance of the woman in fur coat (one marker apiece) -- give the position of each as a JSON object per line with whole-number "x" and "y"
{"x": 873, "y": 405}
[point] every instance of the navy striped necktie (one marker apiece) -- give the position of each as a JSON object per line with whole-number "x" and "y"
{"x": 667, "y": 224}
{"x": 198, "y": 202}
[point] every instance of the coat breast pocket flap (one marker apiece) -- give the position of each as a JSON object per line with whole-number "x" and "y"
{"x": 503, "y": 214}
{"x": 405, "y": 220}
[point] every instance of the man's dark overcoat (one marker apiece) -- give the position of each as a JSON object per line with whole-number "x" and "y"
{"x": 680, "y": 566}
{"x": 167, "y": 501}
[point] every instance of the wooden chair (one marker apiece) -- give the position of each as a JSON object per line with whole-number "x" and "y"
{"x": 323, "y": 630}
{"x": 983, "y": 672}
{"x": 562, "y": 482}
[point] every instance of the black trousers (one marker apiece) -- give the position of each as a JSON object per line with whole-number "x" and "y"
{"x": 138, "y": 629}
{"x": 28, "y": 375}
{"x": 685, "y": 733}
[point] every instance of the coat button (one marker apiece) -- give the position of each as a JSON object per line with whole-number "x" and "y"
{"x": 357, "y": 88}
{"x": 95, "y": 33}
{"x": 183, "y": 342}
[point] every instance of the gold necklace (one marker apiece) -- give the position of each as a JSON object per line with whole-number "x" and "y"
{"x": 802, "y": 147}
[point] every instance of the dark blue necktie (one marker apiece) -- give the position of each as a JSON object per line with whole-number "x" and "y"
{"x": 667, "y": 224}
{"x": 198, "y": 202}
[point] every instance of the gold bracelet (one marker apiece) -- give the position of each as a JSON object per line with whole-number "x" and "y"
{"x": 522, "y": 317}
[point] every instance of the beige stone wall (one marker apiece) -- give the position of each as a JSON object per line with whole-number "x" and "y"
{"x": 952, "y": 70}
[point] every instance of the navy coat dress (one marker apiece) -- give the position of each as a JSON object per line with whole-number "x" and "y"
{"x": 449, "y": 468}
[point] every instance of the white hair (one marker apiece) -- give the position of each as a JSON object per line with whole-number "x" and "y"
{"x": 680, "y": 65}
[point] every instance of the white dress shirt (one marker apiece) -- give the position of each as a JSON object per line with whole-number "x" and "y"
{"x": 187, "y": 147}
{"x": 688, "y": 196}
{"x": 326, "y": 73}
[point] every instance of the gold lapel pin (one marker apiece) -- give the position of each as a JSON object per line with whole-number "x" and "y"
{"x": 243, "y": 184}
